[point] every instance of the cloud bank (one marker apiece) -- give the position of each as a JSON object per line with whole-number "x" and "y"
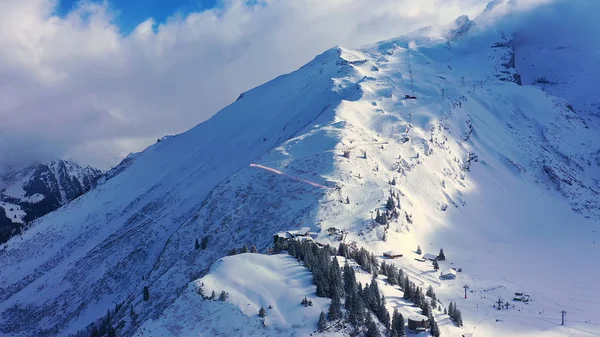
{"x": 77, "y": 87}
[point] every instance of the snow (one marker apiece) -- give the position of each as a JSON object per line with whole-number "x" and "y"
{"x": 252, "y": 281}
{"x": 13, "y": 212}
{"x": 503, "y": 177}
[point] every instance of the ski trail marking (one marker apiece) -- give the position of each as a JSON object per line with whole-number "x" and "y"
{"x": 289, "y": 176}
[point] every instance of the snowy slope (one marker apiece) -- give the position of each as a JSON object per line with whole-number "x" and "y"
{"x": 138, "y": 227}
{"x": 30, "y": 193}
{"x": 500, "y": 175}
{"x": 252, "y": 281}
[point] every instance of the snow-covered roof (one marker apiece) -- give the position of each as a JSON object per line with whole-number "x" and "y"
{"x": 391, "y": 253}
{"x": 449, "y": 272}
{"x": 429, "y": 256}
{"x": 284, "y": 235}
{"x": 303, "y": 231}
{"x": 418, "y": 318}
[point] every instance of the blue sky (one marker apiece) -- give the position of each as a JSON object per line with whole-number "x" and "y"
{"x": 132, "y": 12}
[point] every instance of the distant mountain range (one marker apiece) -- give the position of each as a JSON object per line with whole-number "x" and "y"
{"x": 36, "y": 190}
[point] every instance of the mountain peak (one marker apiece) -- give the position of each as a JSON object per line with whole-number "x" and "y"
{"x": 33, "y": 191}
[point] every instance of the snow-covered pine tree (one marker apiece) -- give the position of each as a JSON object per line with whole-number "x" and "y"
{"x": 372, "y": 330}
{"x": 223, "y": 296}
{"x": 442, "y": 256}
{"x": 335, "y": 309}
{"x": 322, "y": 325}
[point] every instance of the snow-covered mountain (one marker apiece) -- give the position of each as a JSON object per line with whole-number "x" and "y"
{"x": 499, "y": 173}
{"x": 36, "y": 190}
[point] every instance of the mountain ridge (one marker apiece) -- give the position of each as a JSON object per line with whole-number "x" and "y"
{"x": 468, "y": 156}
{"x": 38, "y": 189}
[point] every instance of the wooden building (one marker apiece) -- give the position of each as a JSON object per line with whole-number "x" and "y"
{"x": 392, "y": 254}
{"x": 418, "y": 323}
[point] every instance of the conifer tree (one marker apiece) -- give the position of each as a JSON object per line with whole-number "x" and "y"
{"x": 322, "y": 325}
{"x": 441, "y": 256}
{"x": 204, "y": 243}
{"x": 390, "y": 204}
{"x": 253, "y": 249}
{"x": 262, "y": 312}
{"x": 197, "y": 244}
{"x": 223, "y": 296}
{"x": 435, "y": 329}
{"x": 213, "y": 295}
{"x": 436, "y": 265}
{"x": 397, "y": 327}
{"x": 371, "y": 328}
{"x": 419, "y": 250}
{"x": 335, "y": 309}
{"x": 430, "y": 291}
{"x": 146, "y": 293}
{"x": 245, "y": 249}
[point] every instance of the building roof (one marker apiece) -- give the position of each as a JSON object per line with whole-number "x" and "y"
{"x": 303, "y": 231}
{"x": 428, "y": 256}
{"x": 449, "y": 272}
{"x": 418, "y": 318}
{"x": 392, "y": 253}
{"x": 284, "y": 235}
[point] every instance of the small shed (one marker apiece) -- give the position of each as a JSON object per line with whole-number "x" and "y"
{"x": 430, "y": 257}
{"x": 392, "y": 254}
{"x": 448, "y": 275}
{"x": 418, "y": 323}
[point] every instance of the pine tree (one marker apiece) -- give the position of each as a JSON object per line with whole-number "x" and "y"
{"x": 436, "y": 265}
{"x": 419, "y": 250}
{"x": 223, "y": 296}
{"x": 441, "y": 256}
{"x": 335, "y": 309}
{"x": 435, "y": 329}
{"x": 348, "y": 200}
{"x": 397, "y": 327}
{"x": 197, "y": 244}
{"x": 457, "y": 317}
{"x": 213, "y": 295}
{"x": 262, "y": 312}
{"x": 426, "y": 309}
{"x": 245, "y": 249}
{"x": 429, "y": 291}
{"x": 253, "y": 249}
{"x": 407, "y": 288}
{"x": 322, "y": 325}
{"x": 204, "y": 243}
{"x": 390, "y": 204}
{"x": 335, "y": 278}
{"x": 146, "y": 293}
{"x": 371, "y": 328}
{"x": 451, "y": 310}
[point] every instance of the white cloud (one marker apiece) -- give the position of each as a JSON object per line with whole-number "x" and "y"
{"x": 76, "y": 86}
